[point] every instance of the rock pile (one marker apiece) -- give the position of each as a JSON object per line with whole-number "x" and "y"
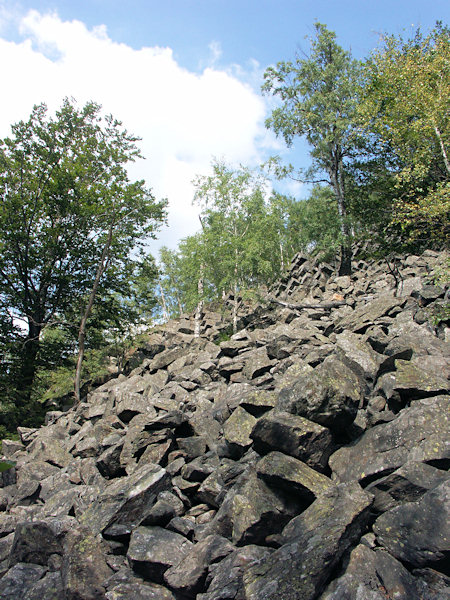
{"x": 304, "y": 457}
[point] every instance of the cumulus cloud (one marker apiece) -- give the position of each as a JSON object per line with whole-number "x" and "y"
{"x": 184, "y": 118}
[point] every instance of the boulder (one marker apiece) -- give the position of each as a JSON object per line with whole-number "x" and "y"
{"x": 419, "y": 433}
{"x": 330, "y": 395}
{"x": 153, "y": 550}
{"x": 295, "y": 436}
{"x": 312, "y": 546}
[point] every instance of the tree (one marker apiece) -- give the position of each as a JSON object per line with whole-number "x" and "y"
{"x": 406, "y": 103}
{"x": 238, "y": 248}
{"x": 69, "y": 220}
{"x": 319, "y": 100}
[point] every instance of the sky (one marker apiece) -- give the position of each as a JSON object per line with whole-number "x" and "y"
{"x": 184, "y": 75}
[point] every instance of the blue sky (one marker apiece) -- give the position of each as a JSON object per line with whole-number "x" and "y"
{"x": 183, "y": 74}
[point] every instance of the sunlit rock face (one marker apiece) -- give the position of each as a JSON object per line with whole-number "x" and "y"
{"x": 303, "y": 457}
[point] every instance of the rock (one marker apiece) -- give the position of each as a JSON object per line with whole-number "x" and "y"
{"x": 127, "y": 500}
{"x": 330, "y": 395}
{"x": 153, "y": 550}
{"x": 139, "y": 591}
{"x": 225, "y": 578}
{"x": 189, "y": 575}
{"x": 314, "y": 543}
{"x": 360, "y": 319}
{"x": 375, "y": 575}
{"x": 419, "y": 433}
{"x": 34, "y": 542}
{"x": 280, "y": 471}
{"x": 412, "y": 381}
{"x": 84, "y": 570}
{"x": 418, "y": 533}
{"x": 256, "y": 363}
{"x": 356, "y": 350}
{"x": 237, "y": 429}
{"x": 18, "y": 580}
{"x": 50, "y": 587}
{"x": 250, "y": 512}
{"x": 407, "y": 484}
{"x": 295, "y": 436}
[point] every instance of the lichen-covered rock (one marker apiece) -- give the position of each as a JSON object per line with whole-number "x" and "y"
{"x": 285, "y": 472}
{"x": 375, "y": 575}
{"x": 314, "y": 542}
{"x": 237, "y": 429}
{"x": 153, "y": 550}
{"x": 293, "y": 435}
{"x": 189, "y": 575}
{"x": 126, "y": 500}
{"x": 418, "y": 533}
{"x": 330, "y": 395}
{"x": 420, "y": 433}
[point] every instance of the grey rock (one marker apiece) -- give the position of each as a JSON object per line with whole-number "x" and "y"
{"x": 281, "y": 471}
{"x": 190, "y": 574}
{"x": 225, "y": 578}
{"x": 419, "y": 433}
{"x": 314, "y": 542}
{"x": 153, "y": 550}
{"x": 19, "y": 579}
{"x": 375, "y": 575}
{"x": 330, "y": 395}
{"x": 418, "y": 533}
{"x": 126, "y": 500}
{"x": 293, "y": 435}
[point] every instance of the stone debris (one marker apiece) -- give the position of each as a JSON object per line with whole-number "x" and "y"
{"x": 305, "y": 456}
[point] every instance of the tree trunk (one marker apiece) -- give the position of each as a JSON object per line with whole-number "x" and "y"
{"x": 27, "y": 371}
{"x": 199, "y": 309}
{"x": 164, "y": 305}
{"x": 337, "y": 182}
{"x": 82, "y": 331}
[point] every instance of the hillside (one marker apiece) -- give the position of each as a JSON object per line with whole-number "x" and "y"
{"x": 303, "y": 457}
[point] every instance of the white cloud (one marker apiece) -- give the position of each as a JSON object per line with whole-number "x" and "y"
{"x": 184, "y": 118}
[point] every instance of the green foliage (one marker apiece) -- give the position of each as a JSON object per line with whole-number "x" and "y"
{"x": 405, "y": 102}
{"x": 65, "y": 193}
{"x": 318, "y": 101}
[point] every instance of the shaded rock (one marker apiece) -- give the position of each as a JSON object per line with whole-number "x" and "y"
{"x": 419, "y": 433}
{"x": 201, "y": 467}
{"x": 19, "y": 580}
{"x": 375, "y": 575}
{"x": 84, "y": 569}
{"x": 34, "y": 542}
{"x": 295, "y": 436}
{"x": 127, "y": 500}
{"x": 189, "y": 575}
{"x": 314, "y": 543}
{"x": 225, "y": 578}
{"x": 407, "y": 484}
{"x": 330, "y": 395}
{"x": 286, "y": 472}
{"x": 418, "y": 533}
{"x": 153, "y": 550}
{"x": 108, "y": 463}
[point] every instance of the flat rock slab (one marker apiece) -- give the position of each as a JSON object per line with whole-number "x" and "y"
{"x": 286, "y": 472}
{"x": 418, "y": 533}
{"x": 293, "y": 435}
{"x": 362, "y": 317}
{"x": 128, "y": 499}
{"x": 412, "y": 381}
{"x": 153, "y": 550}
{"x": 353, "y": 346}
{"x": 315, "y": 542}
{"x": 420, "y": 432}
